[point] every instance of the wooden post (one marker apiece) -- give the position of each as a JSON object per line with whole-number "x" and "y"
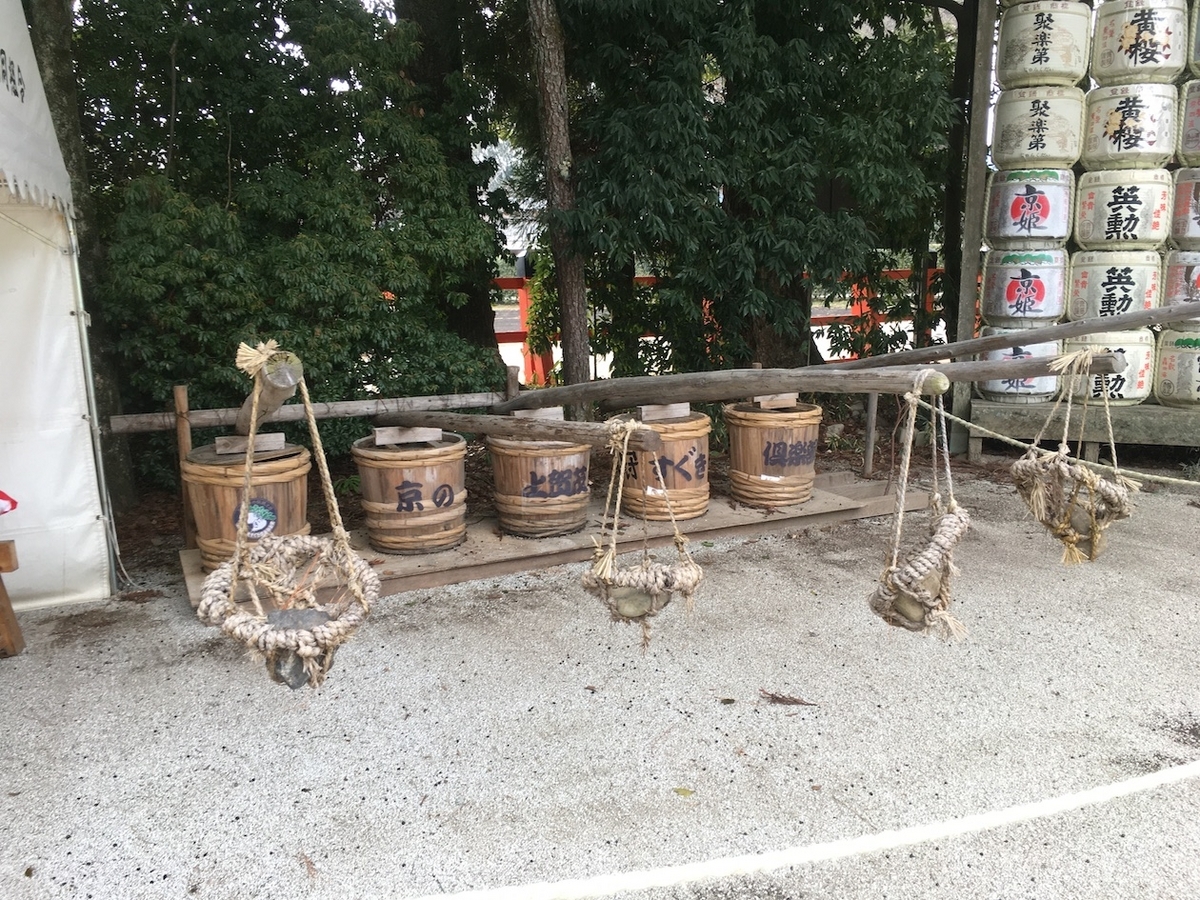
{"x": 183, "y": 437}
{"x": 512, "y": 385}
{"x": 12, "y": 642}
{"x": 280, "y": 376}
{"x": 869, "y": 439}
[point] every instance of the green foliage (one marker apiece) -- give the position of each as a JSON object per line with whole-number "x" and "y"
{"x": 709, "y": 138}
{"x": 269, "y": 170}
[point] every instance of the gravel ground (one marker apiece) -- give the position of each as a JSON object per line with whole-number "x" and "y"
{"x": 505, "y": 733}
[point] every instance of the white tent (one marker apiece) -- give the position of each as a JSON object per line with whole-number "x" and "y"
{"x": 48, "y": 425}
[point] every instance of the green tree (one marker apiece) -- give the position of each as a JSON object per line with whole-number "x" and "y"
{"x": 708, "y": 137}
{"x": 272, "y": 169}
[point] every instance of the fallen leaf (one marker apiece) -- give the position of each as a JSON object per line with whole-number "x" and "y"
{"x": 783, "y": 699}
{"x": 377, "y": 561}
{"x": 309, "y": 866}
{"x": 816, "y": 787}
{"x": 727, "y": 700}
{"x": 684, "y": 792}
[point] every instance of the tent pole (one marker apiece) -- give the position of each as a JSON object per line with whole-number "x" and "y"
{"x": 81, "y": 320}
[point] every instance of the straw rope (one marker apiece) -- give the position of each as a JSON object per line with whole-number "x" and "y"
{"x": 916, "y": 595}
{"x": 640, "y": 593}
{"x": 1094, "y": 466}
{"x": 289, "y": 568}
{"x": 1074, "y": 503}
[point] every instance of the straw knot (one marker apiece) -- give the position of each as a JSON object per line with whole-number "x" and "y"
{"x": 252, "y": 359}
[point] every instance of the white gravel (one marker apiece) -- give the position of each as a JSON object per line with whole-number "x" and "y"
{"x": 502, "y": 733}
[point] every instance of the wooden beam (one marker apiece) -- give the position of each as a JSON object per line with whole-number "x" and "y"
{"x": 522, "y": 429}
{"x": 280, "y": 377}
{"x": 12, "y": 642}
{"x": 1163, "y": 315}
{"x": 346, "y": 409}
{"x": 730, "y": 384}
{"x": 989, "y": 369}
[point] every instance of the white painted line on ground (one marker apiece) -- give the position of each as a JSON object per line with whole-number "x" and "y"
{"x": 673, "y": 876}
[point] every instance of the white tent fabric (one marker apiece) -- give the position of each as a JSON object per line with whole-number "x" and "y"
{"x": 48, "y": 461}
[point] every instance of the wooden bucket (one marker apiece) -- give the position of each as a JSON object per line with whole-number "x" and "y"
{"x": 683, "y": 462}
{"x": 414, "y": 495}
{"x": 541, "y": 487}
{"x": 213, "y": 487}
{"x": 772, "y": 453}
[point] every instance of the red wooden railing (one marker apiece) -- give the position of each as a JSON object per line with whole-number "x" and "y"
{"x": 860, "y": 313}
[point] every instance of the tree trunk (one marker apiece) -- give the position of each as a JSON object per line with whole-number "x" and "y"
{"x": 51, "y": 27}
{"x": 551, "y": 76}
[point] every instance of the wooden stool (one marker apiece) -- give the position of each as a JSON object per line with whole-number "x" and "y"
{"x": 11, "y": 640}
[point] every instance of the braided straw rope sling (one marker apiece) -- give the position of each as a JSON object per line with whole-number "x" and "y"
{"x": 916, "y": 594}
{"x": 1073, "y": 502}
{"x": 639, "y": 593}
{"x": 298, "y": 638}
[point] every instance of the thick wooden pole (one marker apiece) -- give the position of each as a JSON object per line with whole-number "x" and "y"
{"x": 281, "y": 375}
{"x": 346, "y": 409}
{"x": 974, "y": 198}
{"x": 989, "y": 369}
{"x": 732, "y": 384}
{"x": 594, "y": 433}
{"x": 1164, "y": 315}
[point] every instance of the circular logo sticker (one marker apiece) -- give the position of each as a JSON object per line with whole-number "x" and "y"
{"x": 261, "y": 518}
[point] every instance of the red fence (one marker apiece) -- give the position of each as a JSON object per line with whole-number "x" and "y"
{"x": 860, "y": 314}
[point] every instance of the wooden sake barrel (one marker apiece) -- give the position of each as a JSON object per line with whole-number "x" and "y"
{"x": 541, "y": 487}
{"x": 414, "y": 495}
{"x": 683, "y": 463}
{"x": 772, "y": 453}
{"x": 278, "y": 497}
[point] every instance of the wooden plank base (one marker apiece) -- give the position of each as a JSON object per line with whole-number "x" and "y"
{"x": 1146, "y": 423}
{"x": 488, "y": 553}
{"x": 12, "y": 642}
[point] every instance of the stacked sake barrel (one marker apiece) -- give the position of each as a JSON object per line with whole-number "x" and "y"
{"x": 1128, "y": 138}
{"x": 1177, "y": 370}
{"x": 1123, "y": 208}
{"x": 1038, "y": 138}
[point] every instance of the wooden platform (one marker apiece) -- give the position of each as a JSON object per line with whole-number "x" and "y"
{"x": 487, "y": 553}
{"x": 1146, "y": 423}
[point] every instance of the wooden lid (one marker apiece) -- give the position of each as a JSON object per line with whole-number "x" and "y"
{"x": 208, "y": 456}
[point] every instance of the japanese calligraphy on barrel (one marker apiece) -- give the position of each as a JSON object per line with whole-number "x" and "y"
{"x": 772, "y": 453}
{"x": 1139, "y": 41}
{"x": 1048, "y": 42}
{"x": 1181, "y": 284}
{"x": 1109, "y": 283}
{"x": 1128, "y": 387}
{"x": 1024, "y": 288}
{"x": 213, "y": 484}
{"x": 682, "y": 471}
{"x": 541, "y": 487}
{"x": 1029, "y": 208}
{"x": 1030, "y": 389}
{"x": 1130, "y": 126}
{"x": 1177, "y": 370}
{"x": 1038, "y": 126}
{"x": 1123, "y": 209}
{"x": 1188, "y": 150}
{"x": 414, "y": 495}
{"x": 1185, "y": 219}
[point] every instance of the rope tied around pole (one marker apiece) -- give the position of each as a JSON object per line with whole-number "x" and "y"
{"x": 915, "y": 594}
{"x": 299, "y": 636}
{"x": 1073, "y": 502}
{"x": 639, "y": 593}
